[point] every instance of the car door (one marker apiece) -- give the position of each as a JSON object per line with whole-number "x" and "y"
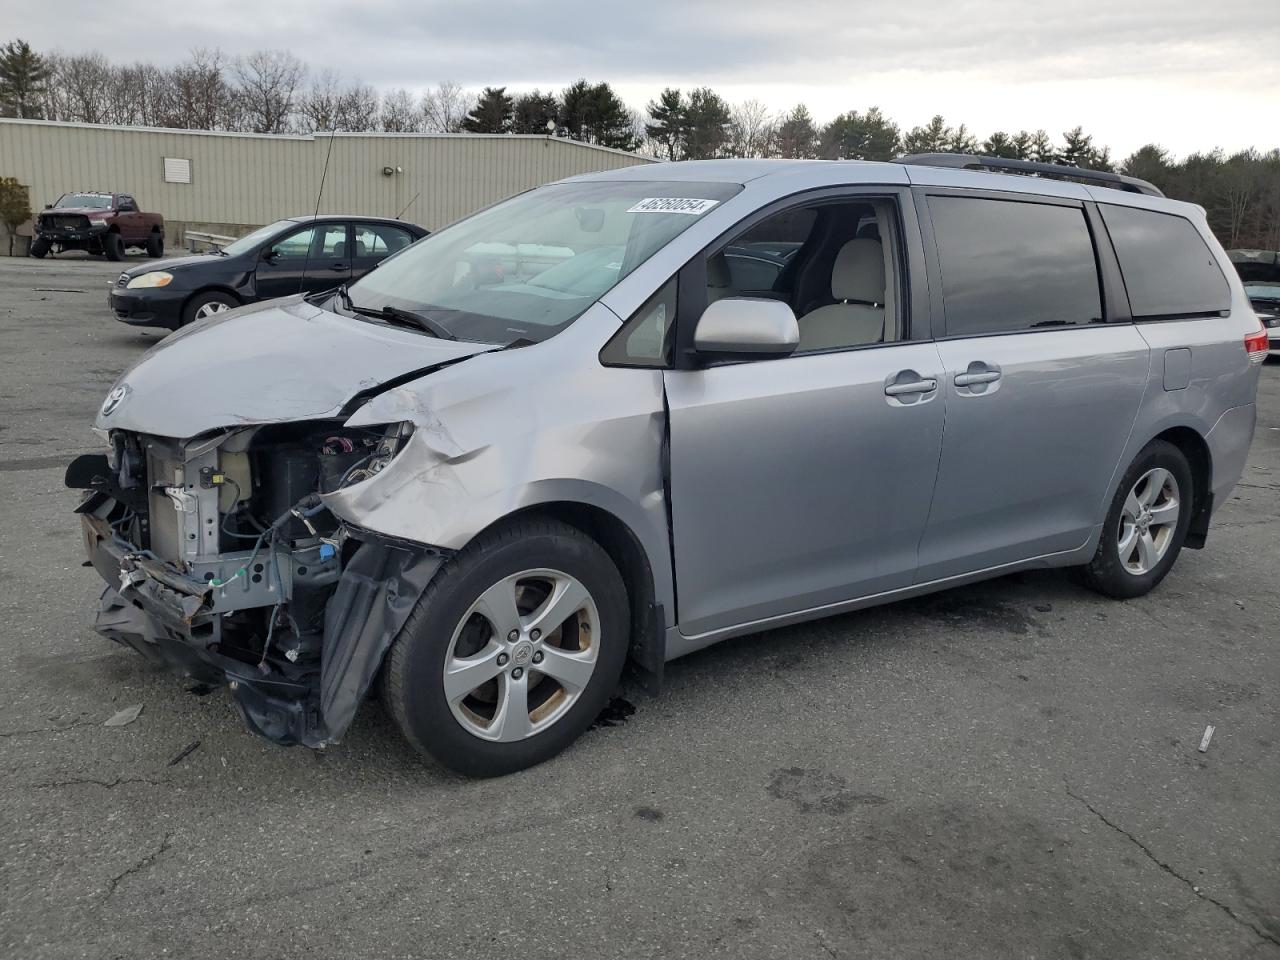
{"x": 373, "y": 243}
{"x": 1044, "y": 377}
{"x": 128, "y": 218}
{"x": 805, "y": 481}
{"x": 305, "y": 260}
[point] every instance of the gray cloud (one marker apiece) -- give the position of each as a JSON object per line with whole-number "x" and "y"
{"x": 835, "y": 50}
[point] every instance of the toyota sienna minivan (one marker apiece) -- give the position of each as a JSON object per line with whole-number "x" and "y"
{"x": 619, "y": 418}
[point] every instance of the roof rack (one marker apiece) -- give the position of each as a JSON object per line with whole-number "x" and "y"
{"x": 1060, "y": 171}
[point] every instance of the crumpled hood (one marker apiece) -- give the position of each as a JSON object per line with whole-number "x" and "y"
{"x": 271, "y": 362}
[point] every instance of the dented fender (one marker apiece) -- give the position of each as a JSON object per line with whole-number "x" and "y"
{"x": 510, "y": 430}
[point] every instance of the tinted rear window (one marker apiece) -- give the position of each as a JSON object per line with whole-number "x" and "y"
{"x": 1168, "y": 269}
{"x": 1010, "y": 266}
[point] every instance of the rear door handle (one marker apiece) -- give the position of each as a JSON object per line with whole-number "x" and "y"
{"x": 924, "y": 385}
{"x": 338, "y": 267}
{"x": 970, "y": 379}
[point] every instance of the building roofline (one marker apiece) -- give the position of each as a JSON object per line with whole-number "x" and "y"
{"x": 312, "y": 137}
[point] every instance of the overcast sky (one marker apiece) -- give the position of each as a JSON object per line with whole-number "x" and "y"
{"x": 1188, "y": 74}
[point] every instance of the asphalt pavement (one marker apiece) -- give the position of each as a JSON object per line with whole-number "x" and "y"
{"x": 1004, "y": 770}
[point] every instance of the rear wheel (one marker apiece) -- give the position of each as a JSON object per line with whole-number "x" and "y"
{"x": 207, "y": 304}
{"x": 113, "y": 246}
{"x": 512, "y": 651}
{"x": 39, "y": 247}
{"x": 155, "y": 245}
{"x": 1146, "y": 525}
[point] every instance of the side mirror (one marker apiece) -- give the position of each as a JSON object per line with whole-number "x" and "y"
{"x": 48, "y": 206}
{"x": 270, "y": 255}
{"x": 747, "y": 328}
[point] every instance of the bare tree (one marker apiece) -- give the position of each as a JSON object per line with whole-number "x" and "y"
{"x": 445, "y": 107}
{"x": 358, "y": 108}
{"x": 84, "y": 81}
{"x": 398, "y": 113}
{"x": 199, "y": 95}
{"x": 751, "y": 130}
{"x": 266, "y": 86}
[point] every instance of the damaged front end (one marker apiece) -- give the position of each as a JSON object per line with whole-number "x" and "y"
{"x": 222, "y": 561}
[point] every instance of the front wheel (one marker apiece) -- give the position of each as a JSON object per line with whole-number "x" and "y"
{"x": 1146, "y": 525}
{"x": 113, "y": 246}
{"x": 512, "y": 651}
{"x": 207, "y": 304}
{"x": 39, "y": 248}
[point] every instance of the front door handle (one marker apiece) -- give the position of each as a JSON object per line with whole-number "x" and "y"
{"x": 338, "y": 267}
{"x": 971, "y": 379}
{"x": 924, "y": 385}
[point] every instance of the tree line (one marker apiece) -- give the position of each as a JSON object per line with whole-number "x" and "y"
{"x": 272, "y": 91}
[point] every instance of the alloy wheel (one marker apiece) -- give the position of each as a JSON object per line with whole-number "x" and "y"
{"x": 1148, "y": 521}
{"x": 522, "y": 655}
{"x": 211, "y": 308}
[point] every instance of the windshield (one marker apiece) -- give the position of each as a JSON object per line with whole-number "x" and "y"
{"x": 1262, "y": 291}
{"x": 527, "y": 268}
{"x": 247, "y": 243}
{"x": 95, "y": 201}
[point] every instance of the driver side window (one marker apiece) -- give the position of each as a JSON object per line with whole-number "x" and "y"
{"x": 832, "y": 263}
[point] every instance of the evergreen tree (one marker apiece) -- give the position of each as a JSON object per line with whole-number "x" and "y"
{"x": 1077, "y": 148}
{"x": 492, "y": 112}
{"x": 1040, "y": 148}
{"x": 536, "y": 112}
{"x": 593, "y": 113}
{"x": 1022, "y": 145}
{"x": 797, "y": 137}
{"x": 854, "y": 136}
{"x": 707, "y": 120}
{"x": 935, "y": 137}
{"x": 666, "y": 126}
{"x": 1151, "y": 163}
{"x": 960, "y": 140}
{"x": 999, "y": 144}
{"x": 23, "y": 78}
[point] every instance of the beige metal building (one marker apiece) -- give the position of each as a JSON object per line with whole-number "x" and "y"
{"x": 231, "y": 182}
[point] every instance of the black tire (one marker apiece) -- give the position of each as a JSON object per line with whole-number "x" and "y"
{"x": 39, "y": 248}
{"x": 1106, "y": 573}
{"x": 155, "y": 245}
{"x": 113, "y": 246}
{"x": 207, "y": 298}
{"x": 413, "y": 677}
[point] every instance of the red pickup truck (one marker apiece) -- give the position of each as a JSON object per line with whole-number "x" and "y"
{"x": 101, "y": 223}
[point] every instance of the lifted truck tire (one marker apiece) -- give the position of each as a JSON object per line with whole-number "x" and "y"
{"x": 414, "y": 671}
{"x": 39, "y": 247}
{"x": 155, "y": 245}
{"x": 113, "y": 246}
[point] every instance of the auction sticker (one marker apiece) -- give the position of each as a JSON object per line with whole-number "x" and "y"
{"x": 673, "y": 205}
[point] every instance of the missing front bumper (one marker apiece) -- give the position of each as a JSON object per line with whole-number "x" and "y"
{"x": 150, "y": 611}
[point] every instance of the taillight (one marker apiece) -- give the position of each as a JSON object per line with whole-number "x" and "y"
{"x": 1256, "y": 345}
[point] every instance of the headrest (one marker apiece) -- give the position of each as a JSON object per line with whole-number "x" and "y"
{"x": 858, "y": 273}
{"x": 718, "y": 272}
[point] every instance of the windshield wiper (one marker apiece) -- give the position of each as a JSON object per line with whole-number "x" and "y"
{"x": 419, "y": 320}
{"x": 392, "y": 314}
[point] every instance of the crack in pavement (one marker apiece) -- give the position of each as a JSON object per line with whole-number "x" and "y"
{"x": 1261, "y": 934}
{"x": 108, "y": 784}
{"x": 24, "y": 733}
{"x": 140, "y": 865}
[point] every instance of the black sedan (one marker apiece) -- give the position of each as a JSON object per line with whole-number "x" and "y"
{"x": 301, "y": 255}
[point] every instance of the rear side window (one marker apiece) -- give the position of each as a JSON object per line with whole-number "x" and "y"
{"x": 1009, "y": 265}
{"x": 1168, "y": 268}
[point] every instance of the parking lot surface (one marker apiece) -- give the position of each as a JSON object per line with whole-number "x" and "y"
{"x": 1004, "y": 770}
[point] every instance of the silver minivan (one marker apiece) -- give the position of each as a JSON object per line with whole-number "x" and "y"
{"x": 616, "y": 419}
